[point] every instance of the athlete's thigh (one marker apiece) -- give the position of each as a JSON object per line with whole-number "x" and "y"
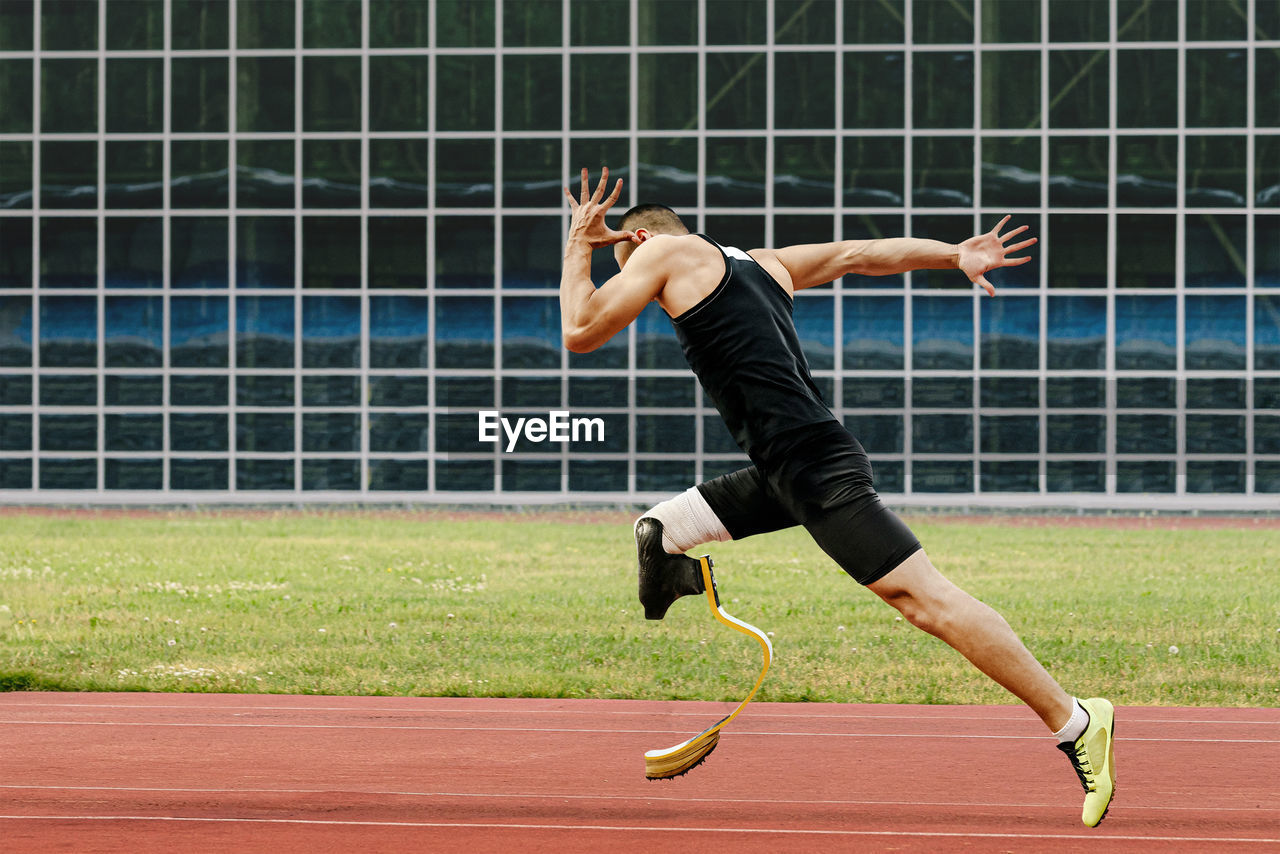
{"x": 864, "y": 537}
{"x": 916, "y": 577}
{"x": 826, "y": 483}
{"x": 744, "y": 503}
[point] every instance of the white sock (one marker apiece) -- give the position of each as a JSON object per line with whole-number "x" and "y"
{"x": 687, "y": 520}
{"x": 1076, "y": 726}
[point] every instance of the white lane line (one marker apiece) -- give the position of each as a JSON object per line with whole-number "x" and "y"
{"x": 1009, "y": 714}
{"x": 615, "y": 828}
{"x": 551, "y": 796}
{"x": 420, "y": 727}
{"x": 508, "y": 710}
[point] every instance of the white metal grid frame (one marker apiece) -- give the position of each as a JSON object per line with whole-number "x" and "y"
{"x": 837, "y": 375}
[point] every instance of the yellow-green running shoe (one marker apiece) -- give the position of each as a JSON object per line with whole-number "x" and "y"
{"x": 1094, "y": 758}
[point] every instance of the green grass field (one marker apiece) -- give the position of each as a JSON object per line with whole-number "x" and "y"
{"x": 532, "y": 605}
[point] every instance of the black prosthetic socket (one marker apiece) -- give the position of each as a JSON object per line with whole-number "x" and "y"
{"x": 664, "y": 577}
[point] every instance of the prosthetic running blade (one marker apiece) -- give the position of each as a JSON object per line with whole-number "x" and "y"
{"x": 671, "y": 762}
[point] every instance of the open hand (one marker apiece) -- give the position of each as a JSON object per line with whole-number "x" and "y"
{"x": 588, "y": 222}
{"x": 985, "y": 252}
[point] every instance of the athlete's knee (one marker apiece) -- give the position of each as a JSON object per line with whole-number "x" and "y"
{"x": 929, "y": 614}
{"x": 922, "y": 595}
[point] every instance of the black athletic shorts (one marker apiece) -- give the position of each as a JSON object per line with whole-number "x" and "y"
{"x": 820, "y": 478}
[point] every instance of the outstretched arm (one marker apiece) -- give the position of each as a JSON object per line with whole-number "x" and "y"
{"x": 818, "y": 263}
{"x": 590, "y": 316}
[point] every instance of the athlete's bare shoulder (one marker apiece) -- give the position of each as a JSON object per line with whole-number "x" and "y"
{"x": 675, "y": 246}
{"x": 768, "y": 259}
{"x": 693, "y": 265}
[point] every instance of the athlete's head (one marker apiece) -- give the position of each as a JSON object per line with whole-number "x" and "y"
{"x": 646, "y": 220}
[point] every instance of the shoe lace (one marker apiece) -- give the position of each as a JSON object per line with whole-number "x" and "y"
{"x": 1079, "y": 757}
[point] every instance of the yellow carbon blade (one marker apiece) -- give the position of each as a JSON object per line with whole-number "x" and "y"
{"x": 679, "y": 759}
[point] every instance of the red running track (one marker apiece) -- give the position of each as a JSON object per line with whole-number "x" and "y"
{"x": 226, "y": 772}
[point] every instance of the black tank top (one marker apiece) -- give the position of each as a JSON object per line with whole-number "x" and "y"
{"x": 741, "y": 342}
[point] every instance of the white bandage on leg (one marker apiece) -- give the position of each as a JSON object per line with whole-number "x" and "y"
{"x": 687, "y": 520}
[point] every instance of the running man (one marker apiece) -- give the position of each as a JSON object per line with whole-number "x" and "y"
{"x": 732, "y": 312}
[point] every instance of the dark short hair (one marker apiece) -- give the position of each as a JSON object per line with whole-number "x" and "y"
{"x": 654, "y": 217}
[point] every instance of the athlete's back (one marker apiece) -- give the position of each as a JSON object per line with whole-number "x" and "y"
{"x": 741, "y": 341}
